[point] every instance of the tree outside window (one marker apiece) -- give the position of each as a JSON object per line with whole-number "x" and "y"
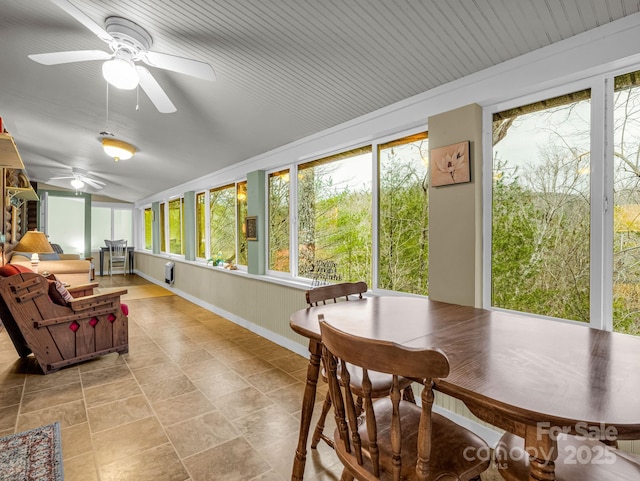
{"x": 148, "y": 230}
{"x": 626, "y": 214}
{"x": 540, "y": 260}
{"x": 403, "y": 215}
{"x": 334, "y": 217}
{"x": 279, "y": 186}
{"x": 241, "y": 216}
{"x": 176, "y": 226}
{"x": 222, "y": 225}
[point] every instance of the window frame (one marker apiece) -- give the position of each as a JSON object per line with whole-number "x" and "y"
{"x": 601, "y": 189}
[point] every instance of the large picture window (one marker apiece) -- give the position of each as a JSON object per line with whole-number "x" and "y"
{"x": 334, "y": 217}
{"x": 626, "y": 220}
{"x": 403, "y": 208}
{"x": 222, "y": 206}
{"x": 540, "y": 259}
{"x": 176, "y": 225}
{"x": 279, "y": 194}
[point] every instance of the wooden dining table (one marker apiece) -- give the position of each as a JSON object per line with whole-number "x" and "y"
{"x": 530, "y": 376}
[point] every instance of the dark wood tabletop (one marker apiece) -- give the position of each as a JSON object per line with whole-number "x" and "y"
{"x": 513, "y": 371}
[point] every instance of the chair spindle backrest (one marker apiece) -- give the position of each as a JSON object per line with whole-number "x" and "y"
{"x": 335, "y": 292}
{"x": 340, "y": 348}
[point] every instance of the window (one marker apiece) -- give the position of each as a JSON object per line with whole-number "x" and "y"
{"x": 148, "y": 229}
{"x": 163, "y": 227}
{"x": 110, "y": 221}
{"x": 222, "y": 232}
{"x": 626, "y": 214}
{"x": 334, "y": 217}
{"x": 279, "y": 187}
{"x": 403, "y": 207}
{"x": 201, "y": 225}
{"x": 241, "y": 216}
{"x": 176, "y": 226}
{"x": 65, "y": 225}
{"x": 540, "y": 259}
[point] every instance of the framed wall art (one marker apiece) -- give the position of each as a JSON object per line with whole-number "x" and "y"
{"x": 252, "y": 227}
{"x": 450, "y": 164}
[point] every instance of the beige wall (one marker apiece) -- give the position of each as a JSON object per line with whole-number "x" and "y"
{"x": 455, "y": 214}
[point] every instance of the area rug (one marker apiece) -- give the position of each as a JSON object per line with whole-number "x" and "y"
{"x": 34, "y": 455}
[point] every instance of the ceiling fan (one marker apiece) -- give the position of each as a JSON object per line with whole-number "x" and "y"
{"x": 79, "y": 177}
{"x": 129, "y": 43}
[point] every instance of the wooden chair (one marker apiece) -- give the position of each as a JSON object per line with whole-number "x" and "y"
{"x": 381, "y": 383}
{"x": 394, "y": 439}
{"x": 58, "y": 336}
{"x": 117, "y": 254}
{"x": 579, "y": 459}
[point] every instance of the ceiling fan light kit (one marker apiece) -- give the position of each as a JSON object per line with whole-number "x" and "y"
{"x": 118, "y": 149}
{"x": 77, "y": 184}
{"x": 121, "y": 73}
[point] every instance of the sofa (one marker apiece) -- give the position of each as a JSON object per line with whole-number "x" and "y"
{"x": 68, "y": 268}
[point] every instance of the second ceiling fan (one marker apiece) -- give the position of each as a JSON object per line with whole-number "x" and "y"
{"x": 129, "y": 43}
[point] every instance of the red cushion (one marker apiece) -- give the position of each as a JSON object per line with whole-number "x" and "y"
{"x": 8, "y": 270}
{"x": 125, "y": 309}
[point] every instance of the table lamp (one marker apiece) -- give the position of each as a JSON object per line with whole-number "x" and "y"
{"x": 35, "y": 242}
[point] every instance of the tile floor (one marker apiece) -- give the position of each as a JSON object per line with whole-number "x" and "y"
{"x": 196, "y": 398}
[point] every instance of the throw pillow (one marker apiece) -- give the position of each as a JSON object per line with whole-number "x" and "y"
{"x": 58, "y": 293}
{"x": 12, "y": 269}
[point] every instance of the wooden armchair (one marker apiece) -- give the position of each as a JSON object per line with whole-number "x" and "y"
{"x": 58, "y": 336}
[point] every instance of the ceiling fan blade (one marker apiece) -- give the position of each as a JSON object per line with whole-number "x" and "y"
{"x": 187, "y": 66}
{"x": 155, "y": 93}
{"x": 84, "y": 20}
{"x": 96, "y": 184}
{"x": 62, "y": 178}
{"x": 55, "y": 58}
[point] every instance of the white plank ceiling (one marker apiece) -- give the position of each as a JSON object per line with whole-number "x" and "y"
{"x": 285, "y": 69}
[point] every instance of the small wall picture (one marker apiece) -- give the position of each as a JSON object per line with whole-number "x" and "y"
{"x": 251, "y": 228}
{"x": 450, "y": 164}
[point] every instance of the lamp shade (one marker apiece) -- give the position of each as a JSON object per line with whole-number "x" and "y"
{"x": 118, "y": 149}
{"x": 33, "y": 241}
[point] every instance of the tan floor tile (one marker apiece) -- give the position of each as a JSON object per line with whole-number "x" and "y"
{"x": 146, "y": 375}
{"x": 189, "y": 357}
{"x": 68, "y": 414}
{"x": 105, "y": 376}
{"x": 220, "y": 385}
{"x": 51, "y": 397}
{"x": 10, "y": 396}
{"x": 200, "y": 433}
{"x": 234, "y": 460}
{"x": 290, "y": 397}
{"x": 9, "y": 377}
{"x": 168, "y": 388}
{"x": 242, "y": 402}
{"x": 36, "y": 382}
{"x": 180, "y": 408}
{"x": 113, "y": 391}
{"x": 146, "y": 358}
{"x": 209, "y": 368}
{"x": 267, "y": 381}
{"x": 8, "y": 417}
{"x": 76, "y": 440}
{"x": 267, "y": 425}
{"x": 110, "y": 360}
{"x": 110, "y": 415}
{"x": 80, "y": 468}
{"x": 127, "y": 440}
{"x": 155, "y": 464}
{"x": 250, "y": 366}
{"x": 290, "y": 363}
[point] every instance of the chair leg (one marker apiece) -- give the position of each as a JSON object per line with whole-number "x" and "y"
{"x": 346, "y": 475}
{"x": 318, "y": 433}
{"x": 407, "y": 394}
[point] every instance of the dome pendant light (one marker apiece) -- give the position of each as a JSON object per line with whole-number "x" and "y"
{"x": 118, "y": 149}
